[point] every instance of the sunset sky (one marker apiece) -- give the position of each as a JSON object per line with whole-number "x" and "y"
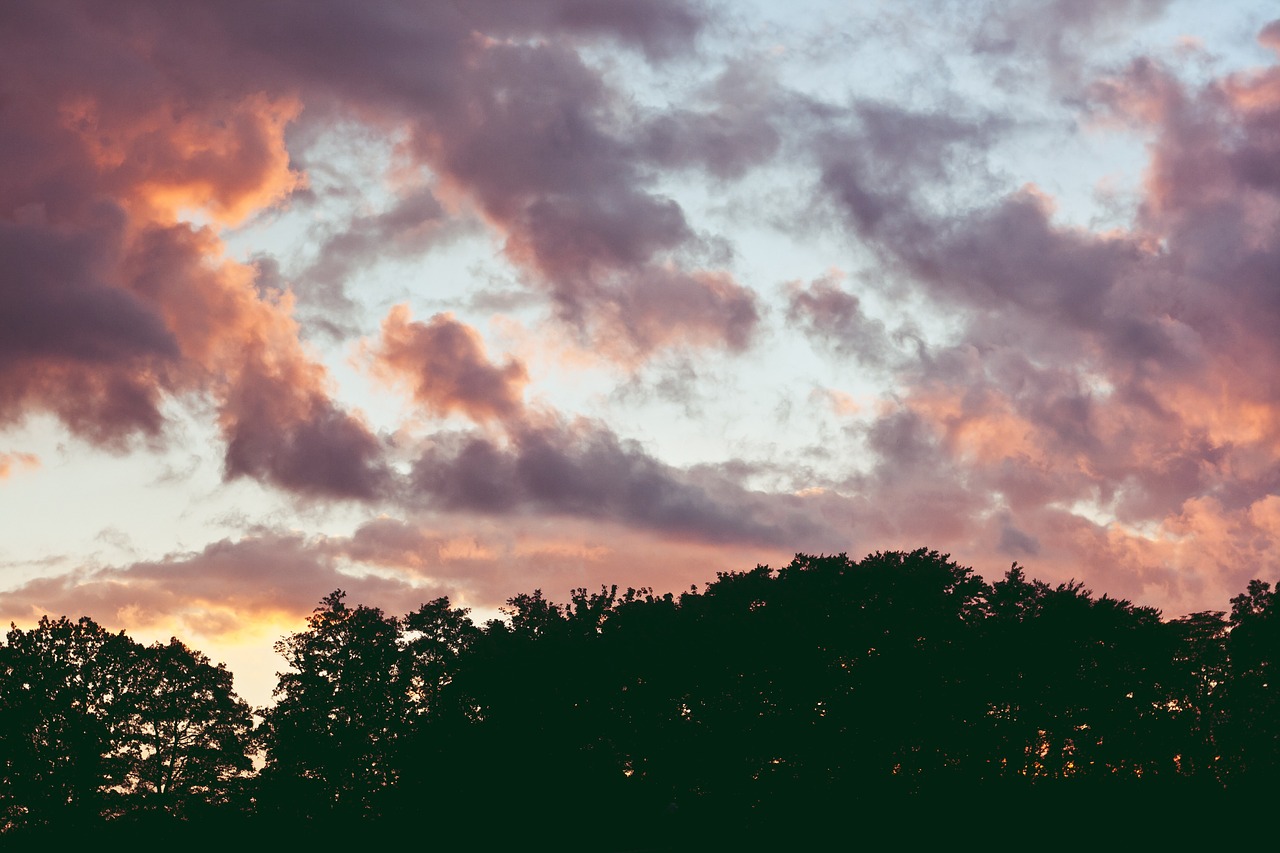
{"x": 470, "y": 298}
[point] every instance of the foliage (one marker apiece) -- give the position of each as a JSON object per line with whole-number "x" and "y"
{"x": 60, "y": 684}
{"x": 825, "y": 685}
{"x": 182, "y": 729}
{"x": 92, "y": 724}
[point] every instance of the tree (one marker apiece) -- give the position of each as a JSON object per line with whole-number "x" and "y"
{"x": 1197, "y": 690}
{"x": 1253, "y": 695}
{"x": 60, "y": 685}
{"x": 1079, "y": 686}
{"x": 331, "y": 737}
{"x": 435, "y": 638}
{"x": 184, "y": 732}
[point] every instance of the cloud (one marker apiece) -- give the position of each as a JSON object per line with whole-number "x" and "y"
{"x": 881, "y": 167}
{"x": 1077, "y": 394}
{"x": 117, "y": 303}
{"x": 222, "y": 590}
{"x": 1097, "y": 401}
{"x": 232, "y": 588}
{"x": 1269, "y": 36}
{"x": 735, "y": 132}
{"x": 269, "y": 581}
{"x": 833, "y": 317}
{"x": 300, "y": 442}
{"x": 10, "y": 462}
{"x": 242, "y": 346}
{"x": 581, "y": 469}
{"x": 121, "y": 131}
{"x": 537, "y": 141}
{"x": 1060, "y": 38}
{"x": 664, "y": 306}
{"x": 483, "y": 562}
{"x": 445, "y": 364}
{"x": 414, "y": 224}
{"x": 71, "y": 341}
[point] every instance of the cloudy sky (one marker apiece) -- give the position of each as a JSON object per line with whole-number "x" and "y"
{"x": 470, "y": 298}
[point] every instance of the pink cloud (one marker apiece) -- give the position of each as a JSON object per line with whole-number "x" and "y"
{"x": 1102, "y": 411}
{"x": 444, "y": 363}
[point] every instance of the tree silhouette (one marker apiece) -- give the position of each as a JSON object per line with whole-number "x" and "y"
{"x": 1197, "y": 684}
{"x": 435, "y": 639}
{"x": 1081, "y": 685}
{"x": 331, "y": 736}
{"x": 827, "y": 691}
{"x": 1252, "y": 736}
{"x": 60, "y": 683}
{"x": 181, "y": 728}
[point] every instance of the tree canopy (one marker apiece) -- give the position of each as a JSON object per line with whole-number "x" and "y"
{"x": 824, "y": 685}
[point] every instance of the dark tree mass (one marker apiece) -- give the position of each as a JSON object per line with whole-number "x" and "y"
{"x": 827, "y": 691}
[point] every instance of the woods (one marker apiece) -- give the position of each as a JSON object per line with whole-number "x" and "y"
{"x": 806, "y": 691}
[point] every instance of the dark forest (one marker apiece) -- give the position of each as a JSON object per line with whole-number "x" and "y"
{"x": 827, "y": 691}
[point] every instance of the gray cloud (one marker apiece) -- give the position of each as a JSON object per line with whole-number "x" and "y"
{"x": 584, "y": 470}
{"x": 834, "y": 318}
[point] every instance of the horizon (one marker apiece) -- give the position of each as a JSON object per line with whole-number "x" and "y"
{"x": 503, "y": 613}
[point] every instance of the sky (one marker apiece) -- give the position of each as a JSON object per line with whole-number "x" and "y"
{"x": 467, "y": 299}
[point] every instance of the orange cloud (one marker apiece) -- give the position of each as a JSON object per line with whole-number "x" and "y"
{"x": 981, "y": 427}
{"x": 114, "y": 302}
{"x": 226, "y": 160}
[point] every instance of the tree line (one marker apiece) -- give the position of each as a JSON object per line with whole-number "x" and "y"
{"x": 769, "y": 696}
